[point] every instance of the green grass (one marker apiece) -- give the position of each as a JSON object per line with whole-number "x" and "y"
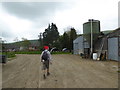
{"x": 12, "y": 54}
{"x": 60, "y": 53}
{"x": 28, "y": 52}
{"x": 9, "y": 54}
{"x": 39, "y": 52}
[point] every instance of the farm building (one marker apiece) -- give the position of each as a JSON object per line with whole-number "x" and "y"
{"x": 114, "y": 45}
{"x": 109, "y": 45}
{"x": 10, "y": 47}
{"x": 106, "y": 43}
{"x": 80, "y": 45}
{"x": 84, "y": 41}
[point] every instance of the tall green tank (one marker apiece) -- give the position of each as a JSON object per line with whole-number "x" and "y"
{"x": 95, "y": 25}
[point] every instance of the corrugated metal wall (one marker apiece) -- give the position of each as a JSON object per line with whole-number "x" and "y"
{"x": 75, "y": 48}
{"x": 78, "y": 45}
{"x": 113, "y": 48}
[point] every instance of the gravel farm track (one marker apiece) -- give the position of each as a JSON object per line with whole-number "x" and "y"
{"x": 67, "y": 71}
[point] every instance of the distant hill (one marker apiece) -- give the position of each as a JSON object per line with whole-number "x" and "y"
{"x": 20, "y": 42}
{"x": 17, "y": 45}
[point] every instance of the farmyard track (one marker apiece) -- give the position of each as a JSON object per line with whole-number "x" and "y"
{"x": 67, "y": 71}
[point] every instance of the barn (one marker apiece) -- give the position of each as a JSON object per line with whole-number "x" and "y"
{"x": 105, "y": 43}
{"x": 109, "y": 45}
{"x": 80, "y": 45}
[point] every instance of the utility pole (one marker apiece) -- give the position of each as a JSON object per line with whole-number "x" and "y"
{"x": 91, "y": 21}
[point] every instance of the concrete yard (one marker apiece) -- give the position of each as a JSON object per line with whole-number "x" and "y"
{"x": 67, "y": 71}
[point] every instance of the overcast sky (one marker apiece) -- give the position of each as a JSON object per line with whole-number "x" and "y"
{"x": 28, "y": 19}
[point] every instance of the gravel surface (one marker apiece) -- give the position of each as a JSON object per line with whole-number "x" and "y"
{"x": 67, "y": 71}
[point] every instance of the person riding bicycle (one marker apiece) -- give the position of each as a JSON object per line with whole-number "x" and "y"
{"x": 46, "y": 59}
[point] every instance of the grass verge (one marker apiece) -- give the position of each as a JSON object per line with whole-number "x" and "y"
{"x": 28, "y": 52}
{"x": 39, "y": 52}
{"x": 60, "y": 53}
{"x": 12, "y": 54}
{"x": 9, "y": 54}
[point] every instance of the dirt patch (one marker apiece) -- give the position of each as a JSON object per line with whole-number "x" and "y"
{"x": 67, "y": 71}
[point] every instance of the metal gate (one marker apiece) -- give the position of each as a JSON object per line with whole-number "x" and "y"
{"x": 113, "y": 48}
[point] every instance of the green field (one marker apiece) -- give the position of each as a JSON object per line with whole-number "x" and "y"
{"x": 28, "y": 52}
{"x": 12, "y": 54}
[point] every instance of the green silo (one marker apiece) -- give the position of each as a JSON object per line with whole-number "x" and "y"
{"x": 95, "y": 26}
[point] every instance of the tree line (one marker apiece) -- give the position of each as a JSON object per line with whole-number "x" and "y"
{"x": 52, "y": 38}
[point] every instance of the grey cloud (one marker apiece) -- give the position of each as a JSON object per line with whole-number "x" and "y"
{"x": 40, "y": 13}
{"x": 33, "y": 10}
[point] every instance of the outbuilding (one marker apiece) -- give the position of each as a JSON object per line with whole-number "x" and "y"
{"x": 114, "y": 45}
{"x": 109, "y": 45}
{"x": 80, "y": 45}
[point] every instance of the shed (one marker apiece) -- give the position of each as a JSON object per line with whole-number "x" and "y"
{"x": 114, "y": 45}
{"x": 80, "y": 45}
{"x": 109, "y": 44}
